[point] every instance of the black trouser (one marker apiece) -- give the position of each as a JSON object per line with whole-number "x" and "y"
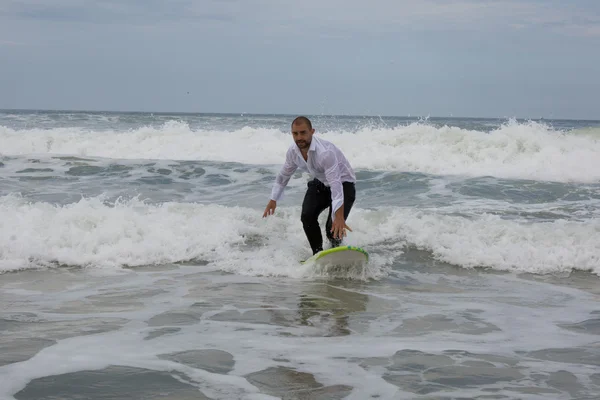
{"x": 316, "y": 200}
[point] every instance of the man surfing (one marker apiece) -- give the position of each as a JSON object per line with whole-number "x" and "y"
{"x": 333, "y": 184}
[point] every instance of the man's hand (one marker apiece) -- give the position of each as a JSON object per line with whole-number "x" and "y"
{"x": 270, "y": 209}
{"x": 338, "y": 228}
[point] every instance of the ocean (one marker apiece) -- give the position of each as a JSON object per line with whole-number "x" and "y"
{"x": 135, "y": 262}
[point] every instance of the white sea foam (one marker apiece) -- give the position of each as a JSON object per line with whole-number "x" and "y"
{"x": 515, "y": 150}
{"x": 237, "y": 239}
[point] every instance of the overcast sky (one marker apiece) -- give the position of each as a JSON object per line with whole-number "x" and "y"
{"x": 480, "y": 58}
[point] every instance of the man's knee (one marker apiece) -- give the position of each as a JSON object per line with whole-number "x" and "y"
{"x": 308, "y": 218}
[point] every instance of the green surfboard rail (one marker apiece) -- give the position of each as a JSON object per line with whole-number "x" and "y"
{"x": 323, "y": 253}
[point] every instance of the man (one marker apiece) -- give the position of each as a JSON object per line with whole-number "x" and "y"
{"x": 332, "y": 185}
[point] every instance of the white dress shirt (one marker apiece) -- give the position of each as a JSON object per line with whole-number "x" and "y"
{"x": 325, "y": 162}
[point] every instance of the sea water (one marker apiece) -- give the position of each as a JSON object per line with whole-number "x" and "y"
{"x": 135, "y": 262}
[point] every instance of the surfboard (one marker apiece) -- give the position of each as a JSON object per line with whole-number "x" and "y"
{"x": 339, "y": 256}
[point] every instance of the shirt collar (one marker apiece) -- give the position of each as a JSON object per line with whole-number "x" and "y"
{"x": 312, "y": 147}
{"x": 313, "y": 144}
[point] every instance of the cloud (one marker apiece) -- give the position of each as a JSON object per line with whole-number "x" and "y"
{"x": 10, "y": 43}
{"x": 572, "y": 21}
{"x": 109, "y": 11}
{"x": 323, "y": 16}
{"x": 462, "y": 15}
{"x": 392, "y": 16}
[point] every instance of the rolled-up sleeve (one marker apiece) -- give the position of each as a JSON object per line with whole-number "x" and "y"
{"x": 284, "y": 175}
{"x": 333, "y": 175}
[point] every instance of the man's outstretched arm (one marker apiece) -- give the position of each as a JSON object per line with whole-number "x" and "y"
{"x": 281, "y": 181}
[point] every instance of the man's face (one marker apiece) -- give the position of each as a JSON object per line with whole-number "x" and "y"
{"x": 302, "y": 135}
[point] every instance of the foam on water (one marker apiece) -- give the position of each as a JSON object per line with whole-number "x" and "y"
{"x": 96, "y": 234}
{"x": 490, "y": 241}
{"x": 132, "y": 233}
{"x": 514, "y": 150}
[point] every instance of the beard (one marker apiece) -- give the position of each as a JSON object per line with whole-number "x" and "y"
{"x": 302, "y": 144}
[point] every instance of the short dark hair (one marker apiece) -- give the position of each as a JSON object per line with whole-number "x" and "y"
{"x": 302, "y": 119}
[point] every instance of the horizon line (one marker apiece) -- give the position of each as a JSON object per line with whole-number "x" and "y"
{"x": 292, "y": 115}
